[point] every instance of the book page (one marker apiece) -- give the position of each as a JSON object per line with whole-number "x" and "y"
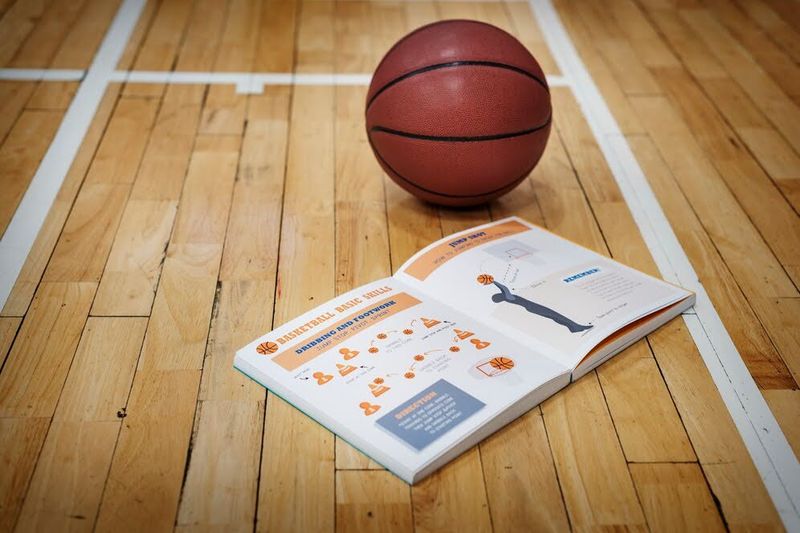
{"x": 398, "y": 374}
{"x": 536, "y": 287}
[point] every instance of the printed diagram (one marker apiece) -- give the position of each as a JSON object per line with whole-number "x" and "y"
{"x": 410, "y": 372}
{"x": 492, "y": 367}
{"x": 377, "y": 387}
{"x": 506, "y": 296}
{"x": 369, "y": 408}
{"x": 514, "y": 250}
{"x": 384, "y": 345}
{"x": 266, "y": 348}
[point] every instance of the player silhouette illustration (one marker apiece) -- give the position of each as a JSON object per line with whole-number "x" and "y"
{"x": 537, "y": 309}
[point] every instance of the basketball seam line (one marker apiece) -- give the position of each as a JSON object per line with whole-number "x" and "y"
{"x": 424, "y": 26}
{"x": 476, "y": 138}
{"x": 462, "y": 63}
{"x": 509, "y": 186}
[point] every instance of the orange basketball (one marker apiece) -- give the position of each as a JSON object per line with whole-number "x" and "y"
{"x": 485, "y": 279}
{"x": 502, "y": 363}
{"x": 458, "y": 112}
{"x": 267, "y": 347}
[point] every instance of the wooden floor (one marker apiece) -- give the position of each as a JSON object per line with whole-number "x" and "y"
{"x": 195, "y": 218}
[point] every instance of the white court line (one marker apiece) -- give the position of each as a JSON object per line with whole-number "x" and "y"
{"x": 245, "y": 82}
{"x": 44, "y": 186}
{"x": 254, "y": 82}
{"x": 41, "y": 74}
{"x": 771, "y": 453}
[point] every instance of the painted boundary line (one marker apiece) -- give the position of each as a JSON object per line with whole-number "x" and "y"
{"x": 44, "y": 186}
{"x": 245, "y": 82}
{"x": 41, "y": 74}
{"x": 771, "y": 453}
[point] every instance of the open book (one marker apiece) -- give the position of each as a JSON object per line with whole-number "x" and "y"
{"x": 469, "y": 334}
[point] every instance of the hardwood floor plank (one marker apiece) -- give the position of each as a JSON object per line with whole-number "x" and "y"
{"x": 594, "y": 478}
{"x": 15, "y": 26}
{"x": 147, "y": 471}
{"x": 70, "y": 473}
{"x": 742, "y": 249}
{"x": 203, "y": 32}
{"x": 453, "y": 498}
{"x": 643, "y": 38}
{"x": 751, "y": 186}
{"x": 20, "y": 442}
{"x": 276, "y": 37}
{"x": 80, "y": 44}
{"x": 353, "y": 39}
{"x": 90, "y": 229}
{"x": 247, "y": 288}
{"x": 621, "y": 56}
{"x": 251, "y": 244}
{"x": 519, "y": 469}
{"x": 627, "y": 379}
{"x": 389, "y": 25}
{"x": 31, "y": 273}
{"x": 13, "y": 97}
{"x": 130, "y": 276}
{"x": 785, "y": 405}
{"x": 783, "y": 70}
{"x": 599, "y": 69}
{"x": 675, "y": 497}
{"x": 767, "y": 96}
{"x": 296, "y": 447}
{"x": 780, "y": 21}
{"x": 20, "y": 155}
{"x": 160, "y": 46}
{"x": 8, "y": 332}
{"x": 37, "y": 366}
{"x": 224, "y": 111}
{"x": 222, "y": 481}
{"x": 52, "y": 96}
{"x": 372, "y": 501}
{"x": 42, "y": 43}
{"x": 735, "y": 482}
{"x": 315, "y": 49}
{"x": 237, "y": 45}
{"x": 31, "y": 382}
{"x": 143, "y": 484}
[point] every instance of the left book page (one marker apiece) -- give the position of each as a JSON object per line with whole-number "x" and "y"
{"x": 399, "y": 375}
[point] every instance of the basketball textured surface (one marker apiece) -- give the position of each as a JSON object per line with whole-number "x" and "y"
{"x": 458, "y": 112}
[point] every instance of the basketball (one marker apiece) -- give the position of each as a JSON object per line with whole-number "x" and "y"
{"x": 485, "y": 279}
{"x": 458, "y": 112}
{"x": 502, "y": 363}
{"x": 266, "y": 348}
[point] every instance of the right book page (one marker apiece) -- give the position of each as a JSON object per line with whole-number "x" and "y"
{"x": 536, "y": 287}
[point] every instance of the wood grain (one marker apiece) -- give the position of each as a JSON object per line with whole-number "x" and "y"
{"x": 296, "y": 447}
{"x": 70, "y": 474}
